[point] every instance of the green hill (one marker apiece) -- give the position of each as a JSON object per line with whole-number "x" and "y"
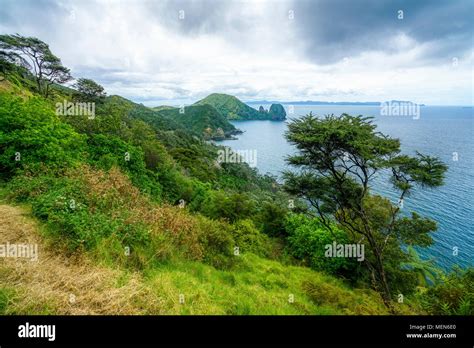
{"x": 232, "y": 108}
{"x": 204, "y": 120}
{"x": 163, "y": 107}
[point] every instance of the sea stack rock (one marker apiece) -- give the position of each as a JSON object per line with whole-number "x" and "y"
{"x": 277, "y": 112}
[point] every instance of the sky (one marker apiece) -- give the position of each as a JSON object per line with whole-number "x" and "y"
{"x": 177, "y": 52}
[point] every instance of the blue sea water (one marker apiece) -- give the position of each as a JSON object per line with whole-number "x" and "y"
{"x": 443, "y": 131}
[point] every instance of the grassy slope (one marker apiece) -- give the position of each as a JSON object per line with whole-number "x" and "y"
{"x": 254, "y": 286}
{"x": 10, "y": 88}
{"x": 58, "y": 284}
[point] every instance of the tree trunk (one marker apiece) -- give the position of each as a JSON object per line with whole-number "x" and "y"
{"x": 383, "y": 283}
{"x": 381, "y": 276}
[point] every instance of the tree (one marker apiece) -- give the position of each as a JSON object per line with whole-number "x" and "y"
{"x": 36, "y": 55}
{"x": 338, "y": 157}
{"x": 90, "y": 89}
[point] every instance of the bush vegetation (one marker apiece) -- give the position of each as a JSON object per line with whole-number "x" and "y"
{"x": 140, "y": 190}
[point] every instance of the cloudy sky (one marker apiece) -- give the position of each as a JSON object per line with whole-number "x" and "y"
{"x": 176, "y": 52}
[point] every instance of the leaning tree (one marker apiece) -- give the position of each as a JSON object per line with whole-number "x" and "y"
{"x": 337, "y": 160}
{"x": 37, "y": 56}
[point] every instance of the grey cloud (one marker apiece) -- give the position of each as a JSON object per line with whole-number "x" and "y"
{"x": 322, "y": 32}
{"x": 200, "y": 16}
{"x": 100, "y": 74}
{"x": 336, "y": 29}
{"x": 40, "y": 15}
{"x": 231, "y": 20}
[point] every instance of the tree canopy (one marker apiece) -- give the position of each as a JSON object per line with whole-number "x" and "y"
{"x": 90, "y": 89}
{"x": 338, "y": 157}
{"x": 35, "y": 55}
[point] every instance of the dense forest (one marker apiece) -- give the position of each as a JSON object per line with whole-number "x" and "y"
{"x": 134, "y": 214}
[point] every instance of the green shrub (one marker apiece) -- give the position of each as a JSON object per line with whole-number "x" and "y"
{"x": 454, "y": 294}
{"x": 78, "y": 218}
{"x": 249, "y": 239}
{"x": 217, "y": 242}
{"x": 31, "y": 134}
{"x": 307, "y": 239}
{"x": 272, "y": 218}
{"x": 106, "y": 152}
{"x": 29, "y": 185}
{"x": 230, "y": 206}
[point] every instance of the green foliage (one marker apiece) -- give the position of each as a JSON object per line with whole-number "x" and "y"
{"x": 6, "y": 296}
{"x": 65, "y": 207}
{"x": 103, "y": 213}
{"x": 454, "y": 294}
{"x": 8, "y": 69}
{"x": 203, "y": 120}
{"x": 307, "y": 239}
{"x": 424, "y": 170}
{"x": 217, "y": 242}
{"x": 31, "y": 134}
{"x": 229, "y": 106}
{"x": 337, "y": 157}
{"x": 233, "y": 206}
{"x": 89, "y": 89}
{"x": 272, "y": 218}
{"x": 256, "y": 286}
{"x": 426, "y": 270}
{"x": 158, "y": 121}
{"x": 249, "y": 239}
{"x": 35, "y": 55}
{"x": 109, "y": 151}
{"x": 331, "y": 295}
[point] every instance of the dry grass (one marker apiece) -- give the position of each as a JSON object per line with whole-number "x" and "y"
{"x": 115, "y": 190}
{"x": 257, "y": 286}
{"x": 49, "y": 284}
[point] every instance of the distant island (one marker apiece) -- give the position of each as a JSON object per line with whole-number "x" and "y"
{"x": 313, "y": 102}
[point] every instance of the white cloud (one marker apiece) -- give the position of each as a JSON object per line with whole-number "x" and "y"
{"x": 254, "y": 53}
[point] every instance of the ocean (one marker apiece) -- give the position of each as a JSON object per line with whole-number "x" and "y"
{"x": 443, "y": 131}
